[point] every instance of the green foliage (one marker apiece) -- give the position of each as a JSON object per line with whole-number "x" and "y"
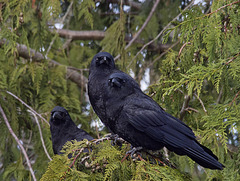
{"x": 105, "y": 162}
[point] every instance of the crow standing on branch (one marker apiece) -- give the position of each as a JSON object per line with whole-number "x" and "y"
{"x": 63, "y": 129}
{"x": 124, "y": 109}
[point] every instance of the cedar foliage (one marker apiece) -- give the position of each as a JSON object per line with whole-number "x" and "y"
{"x": 197, "y": 81}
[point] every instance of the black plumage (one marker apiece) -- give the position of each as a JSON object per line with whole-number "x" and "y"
{"x": 121, "y": 105}
{"x": 63, "y": 129}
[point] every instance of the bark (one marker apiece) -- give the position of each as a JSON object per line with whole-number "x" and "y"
{"x": 36, "y": 56}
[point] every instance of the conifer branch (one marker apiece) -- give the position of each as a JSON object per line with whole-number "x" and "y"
{"x": 25, "y": 104}
{"x": 33, "y": 55}
{"x": 142, "y": 28}
{"x": 18, "y": 142}
{"x": 41, "y": 136}
{"x": 163, "y": 30}
{"x": 61, "y": 22}
{"x": 223, "y": 7}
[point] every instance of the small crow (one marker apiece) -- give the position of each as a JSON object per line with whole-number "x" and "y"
{"x": 63, "y": 129}
{"x": 126, "y": 111}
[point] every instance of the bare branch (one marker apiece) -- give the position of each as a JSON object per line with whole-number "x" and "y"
{"x": 28, "y": 106}
{"x": 130, "y": 3}
{"x": 61, "y": 22}
{"x": 18, "y": 142}
{"x": 166, "y": 27}
{"x": 142, "y": 28}
{"x": 99, "y": 35}
{"x": 201, "y": 102}
{"x": 41, "y": 136}
{"x": 184, "y": 106}
{"x": 234, "y": 99}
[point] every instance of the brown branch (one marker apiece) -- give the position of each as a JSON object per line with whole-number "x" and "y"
{"x": 75, "y": 158}
{"x": 99, "y": 35}
{"x": 33, "y": 55}
{"x": 180, "y": 51}
{"x": 223, "y": 7}
{"x": 142, "y": 28}
{"x": 234, "y": 99}
{"x": 18, "y": 142}
{"x": 232, "y": 58}
{"x": 41, "y": 136}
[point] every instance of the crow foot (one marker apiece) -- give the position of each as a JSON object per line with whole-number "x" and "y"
{"x": 132, "y": 152}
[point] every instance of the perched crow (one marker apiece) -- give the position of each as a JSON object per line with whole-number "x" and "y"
{"x": 63, "y": 129}
{"x": 121, "y": 105}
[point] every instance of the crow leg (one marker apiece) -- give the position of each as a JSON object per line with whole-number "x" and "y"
{"x": 134, "y": 150}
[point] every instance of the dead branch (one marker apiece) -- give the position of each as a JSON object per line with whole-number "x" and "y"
{"x": 41, "y": 136}
{"x": 18, "y": 142}
{"x": 184, "y": 106}
{"x": 142, "y": 28}
{"x": 25, "y": 104}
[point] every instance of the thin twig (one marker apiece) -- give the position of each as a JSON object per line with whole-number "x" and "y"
{"x": 18, "y": 142}
{"x": 75, "y": 158}
{"x": 142, "y": 28}
{"x": 232, "y": 58}
{"x": 192, "y": 109}
{"x": 223, "y": 7}
{"x": 234, "y": 98}
{"x": 180, "y": 51}
{"x": 163, "y": 30}
{"x": 201, "y": 102}
{"x": 61, "y": 22}
{"x": 184, "y": 106}
{"x": 28, "y": 106}
{"x": 41, "y": 136}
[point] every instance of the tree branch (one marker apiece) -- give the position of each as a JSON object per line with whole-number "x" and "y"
{"x": 33, "y": 55}
{"x": 150, "y": 42}
{"x": 18, "y": 142}
{"x": 99, "y": 35}
{"x": 130, "y": 3}
{"x": 184, "y": 106}
{"x": 61, "y": 22}
{"x": 20, "y": 100}
{"x": 41, "y": 136}
{"x": 142, "y": 28}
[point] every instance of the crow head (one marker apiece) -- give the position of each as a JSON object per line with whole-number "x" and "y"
{"x": 122, "y": 84}
{"x": 102, "y": 61}
{"x": 59, "y": 116}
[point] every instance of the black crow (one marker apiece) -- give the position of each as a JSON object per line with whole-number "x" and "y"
{"x": 121, "y": 105}
{"x": 63, "y": 129}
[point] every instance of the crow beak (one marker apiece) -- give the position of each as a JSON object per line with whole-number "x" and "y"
{"x": 103, "y": 60}
{"x": 115, "y": 83}
{"x": 56, "y": 115}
